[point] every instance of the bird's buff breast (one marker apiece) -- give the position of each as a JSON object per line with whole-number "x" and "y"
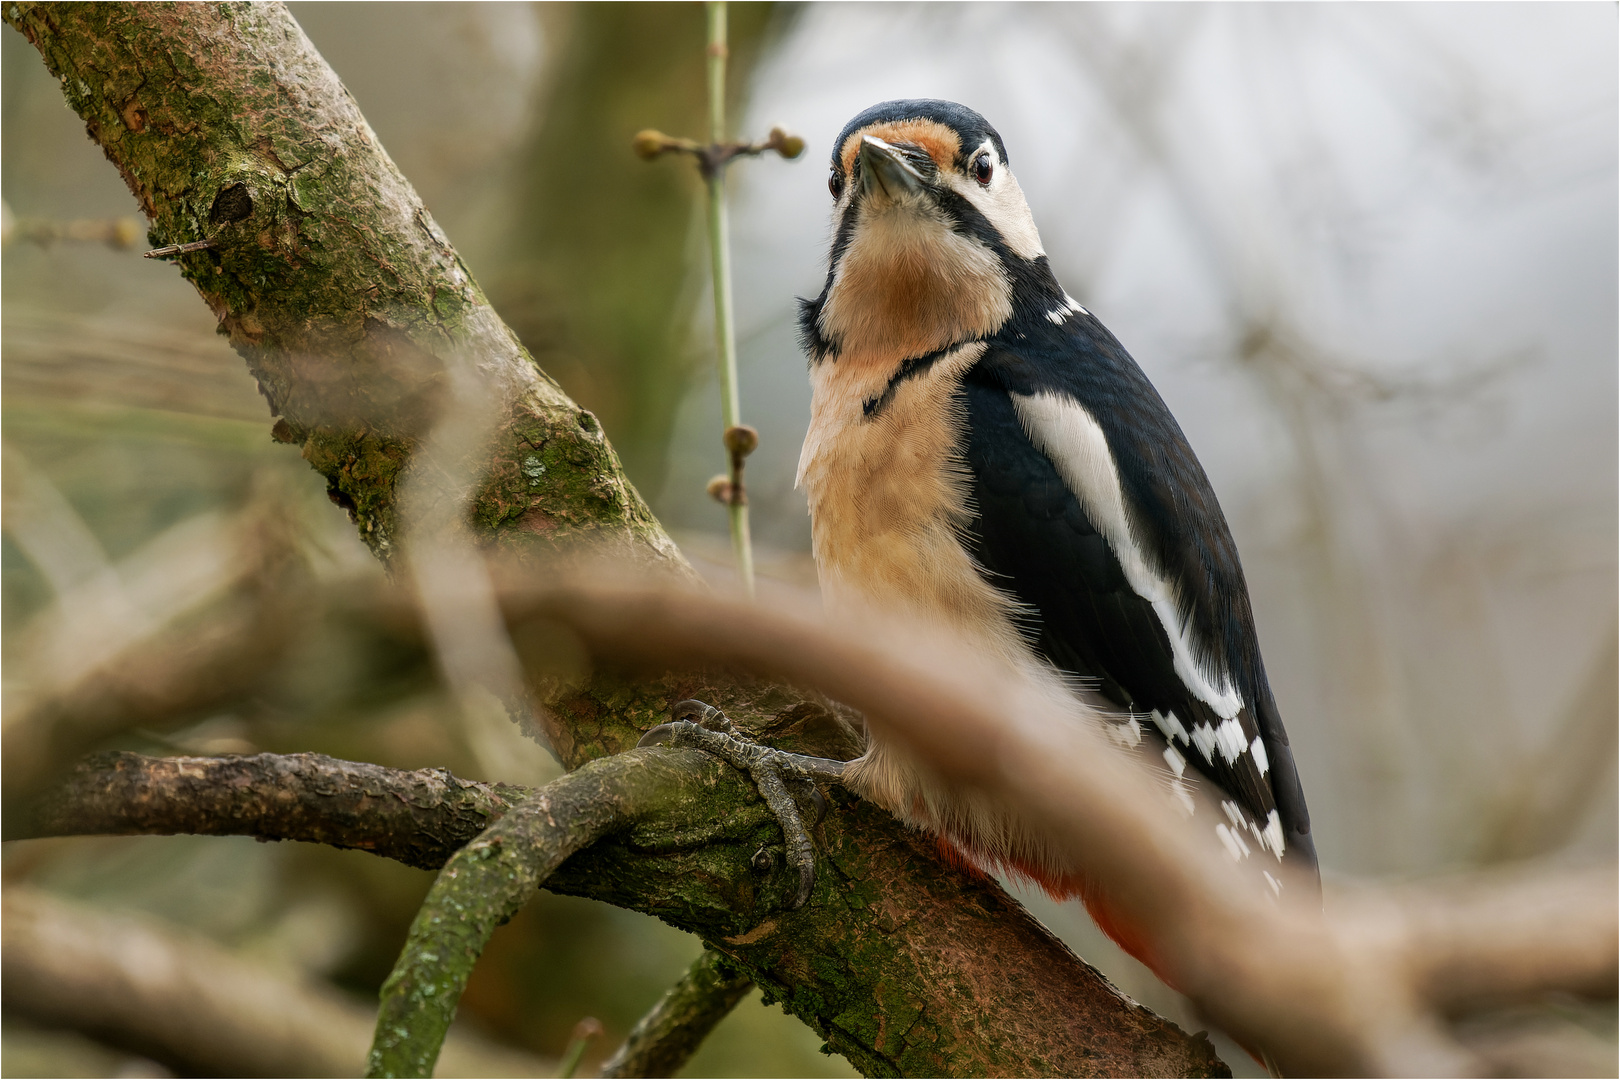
{"x": 889, "y": 497}
{"x": 889, "y": 502}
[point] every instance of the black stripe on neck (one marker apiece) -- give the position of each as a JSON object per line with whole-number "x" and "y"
{"x": 872, "y": 407}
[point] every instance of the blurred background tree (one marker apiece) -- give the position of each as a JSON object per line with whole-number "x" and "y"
{"x": 1367, "y": 255}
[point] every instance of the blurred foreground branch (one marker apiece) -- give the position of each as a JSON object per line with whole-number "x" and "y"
{"x": 188, "y": 1002}
{"x": 1364, "y": 990}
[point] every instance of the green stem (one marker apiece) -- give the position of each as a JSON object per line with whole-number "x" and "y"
{"x": 571, "y": 1058}
{"x": 725, "y": 333}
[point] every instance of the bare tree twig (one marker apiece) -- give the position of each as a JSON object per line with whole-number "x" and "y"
{"x": 418, "y": 818}
{"x": 666, "y": 1037}
{"x": 186, "y": 1001}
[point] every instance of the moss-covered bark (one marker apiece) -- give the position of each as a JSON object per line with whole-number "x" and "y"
{"x": 327, "y": 273}
{"x": 351, "y": 308}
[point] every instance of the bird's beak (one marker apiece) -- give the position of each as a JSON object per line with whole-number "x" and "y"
{"x": 884, "y": 167}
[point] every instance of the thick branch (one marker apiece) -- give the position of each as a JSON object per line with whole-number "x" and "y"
{"x": 328, "y": 274}
{"x": 665, "y": 1039}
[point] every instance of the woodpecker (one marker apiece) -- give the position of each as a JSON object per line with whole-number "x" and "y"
{"x": 982, "y": 452}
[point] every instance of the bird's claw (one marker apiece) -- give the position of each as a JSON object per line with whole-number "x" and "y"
{"x": 701, "y": 726}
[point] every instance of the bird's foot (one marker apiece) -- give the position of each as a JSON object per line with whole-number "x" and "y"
{"x": 701, "y": 726}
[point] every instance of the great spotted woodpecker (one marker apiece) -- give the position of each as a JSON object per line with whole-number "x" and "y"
{"x": 982, "y": 452}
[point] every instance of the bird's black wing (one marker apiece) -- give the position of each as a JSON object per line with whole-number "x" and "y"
{"x": 1035, "y": 539}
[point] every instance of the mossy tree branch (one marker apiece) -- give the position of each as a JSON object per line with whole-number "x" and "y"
{"x": 326, "y": 271}
{"x": 354, "y": 312}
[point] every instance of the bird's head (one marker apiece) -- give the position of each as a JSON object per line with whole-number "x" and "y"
{"x": 931, "y": 235}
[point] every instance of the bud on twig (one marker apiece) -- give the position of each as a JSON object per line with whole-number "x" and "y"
{"x": 741, "y": 440}
{"x": 789, "y": 146}
{"x": 649, "y": 143}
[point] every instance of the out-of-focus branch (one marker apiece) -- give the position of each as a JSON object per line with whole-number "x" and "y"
{"x": 419, "y": 818}
{"x": 90, "y": 677}
{"x": 119, "y": 234}
{"x": 1359, "y": 992}
{"x": 666, "y": 1037}
{"x": 1485, "y": 938}
{"x": 1362, "y": 991}
{"x": 1556, "y": 788}
{"x": 188, "y": 1002}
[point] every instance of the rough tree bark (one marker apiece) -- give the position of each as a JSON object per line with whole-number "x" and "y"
{"x": 352, "y": 310}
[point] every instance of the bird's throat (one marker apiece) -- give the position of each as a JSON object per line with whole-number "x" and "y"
{"x": 908, "y": 285}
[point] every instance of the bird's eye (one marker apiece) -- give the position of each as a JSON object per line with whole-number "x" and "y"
{"x": 983, "y": 168}
{"x": 835, "y": 183}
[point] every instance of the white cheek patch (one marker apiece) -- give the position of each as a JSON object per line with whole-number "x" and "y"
{"x": 1001, "y": 202}
{"x": 1071, "y": 438}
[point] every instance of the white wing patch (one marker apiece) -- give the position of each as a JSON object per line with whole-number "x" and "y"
{"x": 1171, "y": 727}
{"x": 1229, "y": 738}
{"x": 1065, "y": 432}
{"x": 1203, "y": 737}
{"x": 1272, "y": 835}
{"x": 1257, "y": 750}
{"x": 1070, "y": 306}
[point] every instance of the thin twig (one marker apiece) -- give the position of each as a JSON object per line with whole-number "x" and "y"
{"x": 584, "y": 1031}
{"x": 178, "y": 249}
{"x": 665, "y": 1039}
